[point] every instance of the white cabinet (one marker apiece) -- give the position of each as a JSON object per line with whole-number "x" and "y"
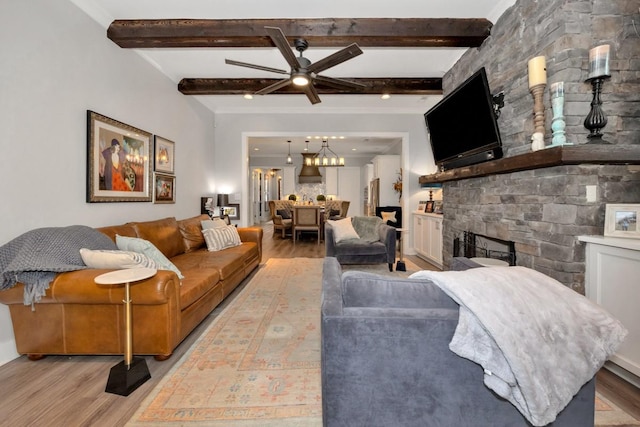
{"x": 387, "y": 168}
{"x": 427, "y": 237}
{"x": 611, "y": 280}
{"x": 288, "y": 180}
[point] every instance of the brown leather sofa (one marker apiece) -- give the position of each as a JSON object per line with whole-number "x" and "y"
{"x": 77, "y": 316}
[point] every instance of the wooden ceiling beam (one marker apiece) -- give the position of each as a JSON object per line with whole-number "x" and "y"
{"x": 326, "y": 32}
{"x": 372, "y": 86}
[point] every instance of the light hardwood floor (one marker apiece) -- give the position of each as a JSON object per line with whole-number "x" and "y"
{"x": 68, "y": 391}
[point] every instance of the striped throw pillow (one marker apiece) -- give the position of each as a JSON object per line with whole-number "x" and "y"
{"x": 221, "y": 238}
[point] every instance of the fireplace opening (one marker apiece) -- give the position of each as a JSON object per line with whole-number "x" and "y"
{"x": 475, "y": 245}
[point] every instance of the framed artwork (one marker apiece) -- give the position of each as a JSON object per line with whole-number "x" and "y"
{"x": 437, "y": 207}
{"x": 163, "y": 155}
{"x": 232, "y": 210}
{"x": 118, "y": 161}
{"x": 421, "y": 206}
{"x": 622, "y": 220}
{"x": 429, "y": 206}
{"x": 164, "y": 188}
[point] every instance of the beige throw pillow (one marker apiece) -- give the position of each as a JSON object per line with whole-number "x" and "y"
{"x": 343, "y": 229}
{"x": 114, "y": 259}
{"x": 389, "y": 216}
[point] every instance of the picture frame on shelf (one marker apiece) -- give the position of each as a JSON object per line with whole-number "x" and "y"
{"x": 621, "y": 220}
{"x": 163, "y": 155}
{"x": 422, "y": 205}
{"x": 232, "y": 210}
{"x": 429, "y": 206}
{"x": 118, "y": 161}
{"x": 164, "y": 188}
{"x": 437, "y": 207}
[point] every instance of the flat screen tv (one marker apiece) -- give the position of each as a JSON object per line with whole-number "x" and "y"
{"x": 463, "y": 127}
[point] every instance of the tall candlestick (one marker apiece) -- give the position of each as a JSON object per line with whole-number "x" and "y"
{"x": 537, "y": 92}
{"x": 599, "y": 61}
{"x": 537, "y": 71}
{"x": 558, "y": 124}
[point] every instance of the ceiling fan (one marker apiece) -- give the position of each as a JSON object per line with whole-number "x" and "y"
{"x": 304, "y": 73}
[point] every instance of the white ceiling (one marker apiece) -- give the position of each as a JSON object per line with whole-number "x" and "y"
{"x": 375, "y": 62}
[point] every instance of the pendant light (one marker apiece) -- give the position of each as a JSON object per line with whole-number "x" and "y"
{"x": 289, "y": 159}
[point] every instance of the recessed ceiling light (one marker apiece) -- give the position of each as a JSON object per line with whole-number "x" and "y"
{"x": 248, "y": 96}
{"x": 354, "y": 149}
{"x": 256, "y": 149}
{"x": 385, "y": 96}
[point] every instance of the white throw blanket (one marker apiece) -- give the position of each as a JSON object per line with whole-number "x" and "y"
{"x": 538, "y": 341}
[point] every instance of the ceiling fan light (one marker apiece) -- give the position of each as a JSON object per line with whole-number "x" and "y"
{"x": 300, "y": 79}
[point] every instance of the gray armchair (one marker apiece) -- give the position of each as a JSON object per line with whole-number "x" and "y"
{"x": 386, "y": 359}
{"x": 364, "y": 250}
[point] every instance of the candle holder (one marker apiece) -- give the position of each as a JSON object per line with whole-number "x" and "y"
{"x": 558, "y": 124}
{"x": 537, "y": 92}
{"x": 596, "y": 120}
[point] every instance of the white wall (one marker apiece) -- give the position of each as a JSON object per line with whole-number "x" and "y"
{"x": 56, "y": 64}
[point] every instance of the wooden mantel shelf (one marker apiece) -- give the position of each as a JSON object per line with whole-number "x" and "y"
{"x": 556, "y": 156}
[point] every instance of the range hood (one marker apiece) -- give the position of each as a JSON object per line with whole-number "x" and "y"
{"x": 309, "y": 174}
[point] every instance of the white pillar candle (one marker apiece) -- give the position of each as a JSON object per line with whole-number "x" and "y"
{"x": 537, "y": 71}
{"x": 599, "y": 61}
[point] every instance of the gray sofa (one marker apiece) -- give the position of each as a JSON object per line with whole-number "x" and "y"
{"x": 386, "y": 359}
{"x": 360, "y": 251}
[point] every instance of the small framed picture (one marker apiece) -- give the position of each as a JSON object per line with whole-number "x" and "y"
{"x": 421, "y": 206}
{"x": 163, "y": 155}
{"x": 622, "y": 220}
{"x": 437, "y": 207}
{"x": 232, "y": 210}
{"x": 164, "y": 188}
{"x": 429, "y": 207}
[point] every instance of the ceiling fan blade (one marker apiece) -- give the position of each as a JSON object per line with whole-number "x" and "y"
{"x": 272, "y": 88}
{"x": 282, "y": 44}
{"x": 338, "y": 83}
{"x": 254, "y": 66}
{"x": 334, "y": 59}
{"x": 311, "y": 93}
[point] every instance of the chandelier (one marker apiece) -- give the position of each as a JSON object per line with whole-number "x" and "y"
{"x": 326, "y": 157}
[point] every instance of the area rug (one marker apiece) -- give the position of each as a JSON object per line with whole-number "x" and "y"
{"x": 258, "y": 363}
{"x": 608, "y": 414}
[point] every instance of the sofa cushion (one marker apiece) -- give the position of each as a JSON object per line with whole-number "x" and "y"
{"x": 367, "y": 227}
{"x": 191, "y": 230}
{"x": 115, "y": 259}
{"x": 145, "y": 247}
{"x": 164, "y": 234}
{"x": 343, "y": 230}
{"x": 357, "y": 247}
{"x": 361, "y": 289}
{"x": 221, "y": 238}
{"x": 123, "y": 230}
{"x": 198, "y": 281}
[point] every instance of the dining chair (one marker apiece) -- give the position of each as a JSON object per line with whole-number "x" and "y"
{"x": 306, "y": 218}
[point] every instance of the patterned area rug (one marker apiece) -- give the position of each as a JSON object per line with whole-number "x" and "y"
{"x": 258, "y": 363}
{"x": 608, "y": 414}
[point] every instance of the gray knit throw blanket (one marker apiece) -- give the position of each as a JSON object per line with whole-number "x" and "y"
{"x": 35, "y": 257}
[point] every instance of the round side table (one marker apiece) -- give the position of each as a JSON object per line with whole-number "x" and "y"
{"x": 132, "y": 372}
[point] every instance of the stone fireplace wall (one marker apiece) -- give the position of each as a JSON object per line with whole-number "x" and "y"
{"x": 544, "y": 210}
